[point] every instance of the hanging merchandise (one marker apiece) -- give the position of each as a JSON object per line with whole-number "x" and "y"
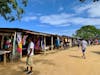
{"x": 37, "y": 44}
{"x": 19, "y": 42}
{"x": 24, "y": 39}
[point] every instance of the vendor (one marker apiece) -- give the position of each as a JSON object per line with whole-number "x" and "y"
{"x": 8, "y": 44}
{"x": 8, "y": 47}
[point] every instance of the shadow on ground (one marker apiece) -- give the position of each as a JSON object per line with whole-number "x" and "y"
{"x": 15, "y": 70}
{"x": 35, "y": 72}
{"x": 96, "y": 52}
{"x": 44, "y": 61}
{"x": 49, "y": 53}
{"x": 74, "y": 56}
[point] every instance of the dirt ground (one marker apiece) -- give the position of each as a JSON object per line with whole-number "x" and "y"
{"x": 59, "y": 62}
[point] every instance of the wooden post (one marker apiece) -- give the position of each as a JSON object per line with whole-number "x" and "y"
{"x": 20, "y": 55}
{"x": 14, "y": 47}
{"x": 67, "y": 39}
{"x": 14, "y": 44}
{"x": 51, "y": 42}
{"x": 44, "y": 44}
{"x": 2, "y": 41}
{"x": 4, "y": 59}
{"x": 70, "y": 42}
{"x": 59, "y": 41}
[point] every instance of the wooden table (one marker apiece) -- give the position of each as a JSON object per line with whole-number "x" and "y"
{"x": 4, "y": 57}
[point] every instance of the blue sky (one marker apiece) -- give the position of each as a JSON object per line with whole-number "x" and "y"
{"x": 62, "y": 17}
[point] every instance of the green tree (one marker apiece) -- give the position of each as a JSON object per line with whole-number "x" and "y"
{"x": 87, "y": 32}
{"x": 98, "y": 35}
{"x": 12, "y": 9}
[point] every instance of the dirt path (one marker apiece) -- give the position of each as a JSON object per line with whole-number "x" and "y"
{"x": 66, "y": 62}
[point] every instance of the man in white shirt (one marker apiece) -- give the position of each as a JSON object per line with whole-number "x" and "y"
{"x": 30, "y": 53}
{"x": 84, "y": 45}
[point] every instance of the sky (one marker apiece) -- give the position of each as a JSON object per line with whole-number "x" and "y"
{"x": 62, "y": 17}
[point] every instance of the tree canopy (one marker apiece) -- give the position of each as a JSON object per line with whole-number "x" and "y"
{"x": 88, "y": 32}
{"x": 12, "y": 9}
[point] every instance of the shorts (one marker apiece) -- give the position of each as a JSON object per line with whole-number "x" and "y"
{"x": 83, "y": 50}
{"x": 29, "y": 61}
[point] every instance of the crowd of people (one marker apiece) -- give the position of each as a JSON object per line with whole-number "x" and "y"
{"x": 63, "y": 44}
{"x": 89, "y": 42}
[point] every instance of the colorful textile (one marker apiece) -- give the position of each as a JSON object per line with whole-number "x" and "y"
{"x": 24, "y": 39}
{"x": 37, "y": 44}
{"x": 19, "y": 42}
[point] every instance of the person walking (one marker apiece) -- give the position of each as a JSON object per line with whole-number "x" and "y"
{"x": 30, "y": 53}
{"x": 83, "y": 45}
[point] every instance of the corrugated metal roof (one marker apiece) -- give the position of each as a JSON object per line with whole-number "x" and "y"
{"x": 11, "y": 30}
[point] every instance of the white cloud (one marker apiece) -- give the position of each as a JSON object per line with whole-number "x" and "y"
{"x": 64, "y": 19}
{"x": 45, "y": 25}
{"x": 56, "y": 19}
{"x": 85, "y": 21}
{"x": 93, "y": 9}
{"x": 29, "y": 18}
{"x": 80, "y": 9}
